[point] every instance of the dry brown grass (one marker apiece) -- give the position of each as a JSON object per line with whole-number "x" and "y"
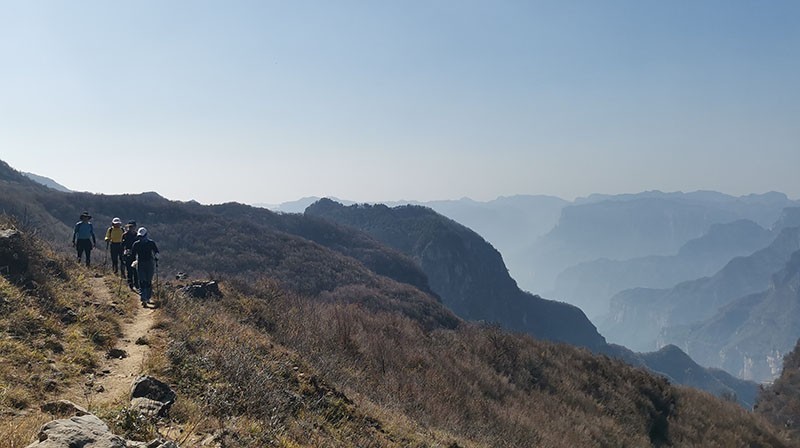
{"x": 21, "y": 431}
{"x": 378, "y": 378}
{"x": 52, "y": 332}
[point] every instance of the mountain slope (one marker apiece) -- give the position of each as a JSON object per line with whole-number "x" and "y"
{"x": 238, "y": 240}
{"x": 590, "y": 285}
{"x": 263, "y": 366}
{"x": 638, "y": 315}
{"x": 750, "y": 335}
{"x": 780, "y": 402}
{"x": 47, "y": 182}
{"x": 466, "y": 271}
{"x": 456, "y": 261}
{"x": 310, "y": 346}
{"x": 510, "y": 223}
{"x": 682, "y": 369}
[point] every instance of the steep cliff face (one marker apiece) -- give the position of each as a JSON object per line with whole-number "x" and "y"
{"x": 779, "y": 403}
{"x": 638, "y": 316}
{"x": 750, "y": 336}
{"x": 464, "y": 270}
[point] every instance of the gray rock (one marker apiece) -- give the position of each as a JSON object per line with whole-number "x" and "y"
{"x": 151, "y": 390}
{"x": 85, "y": 431}
{"x": 88, "y": 431}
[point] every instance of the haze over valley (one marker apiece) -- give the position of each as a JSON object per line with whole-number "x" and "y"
{"x": 399, "y": 224}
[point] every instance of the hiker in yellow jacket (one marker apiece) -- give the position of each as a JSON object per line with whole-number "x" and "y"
{"x": 114, "y": 242}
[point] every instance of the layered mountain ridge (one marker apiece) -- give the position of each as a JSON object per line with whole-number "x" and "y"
{"x": 466, "y": 271}
{"x": 639, "y": 315}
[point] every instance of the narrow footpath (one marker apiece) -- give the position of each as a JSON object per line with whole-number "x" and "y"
{"x": 113, "y": 379}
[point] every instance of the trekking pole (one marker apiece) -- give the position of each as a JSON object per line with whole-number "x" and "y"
{"x": 156, "y": 288}
{"x": 105, "y": 259}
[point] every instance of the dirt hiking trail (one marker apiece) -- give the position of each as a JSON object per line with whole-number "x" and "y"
{"x": 114, "y": 377}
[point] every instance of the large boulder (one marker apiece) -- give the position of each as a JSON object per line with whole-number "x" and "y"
{"x": 151, "y": 397}
{"x": 85, "y": 431}
{"x": 88, "y": 431}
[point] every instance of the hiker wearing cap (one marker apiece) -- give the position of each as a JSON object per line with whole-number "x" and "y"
{"x": 83, "y": 238}
{"x": 114, "y": 242}
{"x": 128, "y": 238}
{"x": 146, "y": 253}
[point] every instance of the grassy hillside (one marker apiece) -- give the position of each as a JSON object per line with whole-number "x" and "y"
{"x": 309, "y": 346}
{"x": 382, "y": 379}
{"x": 53, "y": 330}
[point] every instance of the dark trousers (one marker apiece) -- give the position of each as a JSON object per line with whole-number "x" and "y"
{"x": 84, "y": 245}
{"x": 116, "y": 257}
{"x": 133, "y": 275}
{"x": 146, "y": 270}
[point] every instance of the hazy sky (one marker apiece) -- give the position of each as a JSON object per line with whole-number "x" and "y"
{"x": 382, "y": 100}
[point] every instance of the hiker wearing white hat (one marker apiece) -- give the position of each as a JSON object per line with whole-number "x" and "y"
{"x": 114, "y": 244}
{"x": 145, "y": 252}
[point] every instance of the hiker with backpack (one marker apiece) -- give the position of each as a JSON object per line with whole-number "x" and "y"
{"x": 114, "y": 243}
{"x": 83, "y": 238}
{"x": 145, "y": 252}
{"x": 128, "y": 238}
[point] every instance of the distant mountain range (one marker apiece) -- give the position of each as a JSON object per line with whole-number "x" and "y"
{"x": 591, "y": 285}
{"x": 469, "y": 275}
{"x": 632, "y": 226}
{"x": 750, "y": 335}
{"x": 460, "y": 268}
{"x": 542, "y": 237}
{"x": 47, "y": 182}
{"x": 510, "y": 223}
{"x": 639, "y": 315}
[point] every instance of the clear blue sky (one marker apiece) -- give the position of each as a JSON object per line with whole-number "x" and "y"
{"x": 382, "y": 100}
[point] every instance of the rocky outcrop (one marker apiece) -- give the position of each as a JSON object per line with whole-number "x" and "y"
{"x": 202, "y": 290}
{"x": 88, "y": 431}
{"x": 151, "y": 397}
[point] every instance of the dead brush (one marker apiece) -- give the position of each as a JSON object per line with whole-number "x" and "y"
{"x": 21, "y": 432}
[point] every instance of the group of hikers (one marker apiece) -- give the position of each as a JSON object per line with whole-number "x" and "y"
{"x": 133, "y": 254}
